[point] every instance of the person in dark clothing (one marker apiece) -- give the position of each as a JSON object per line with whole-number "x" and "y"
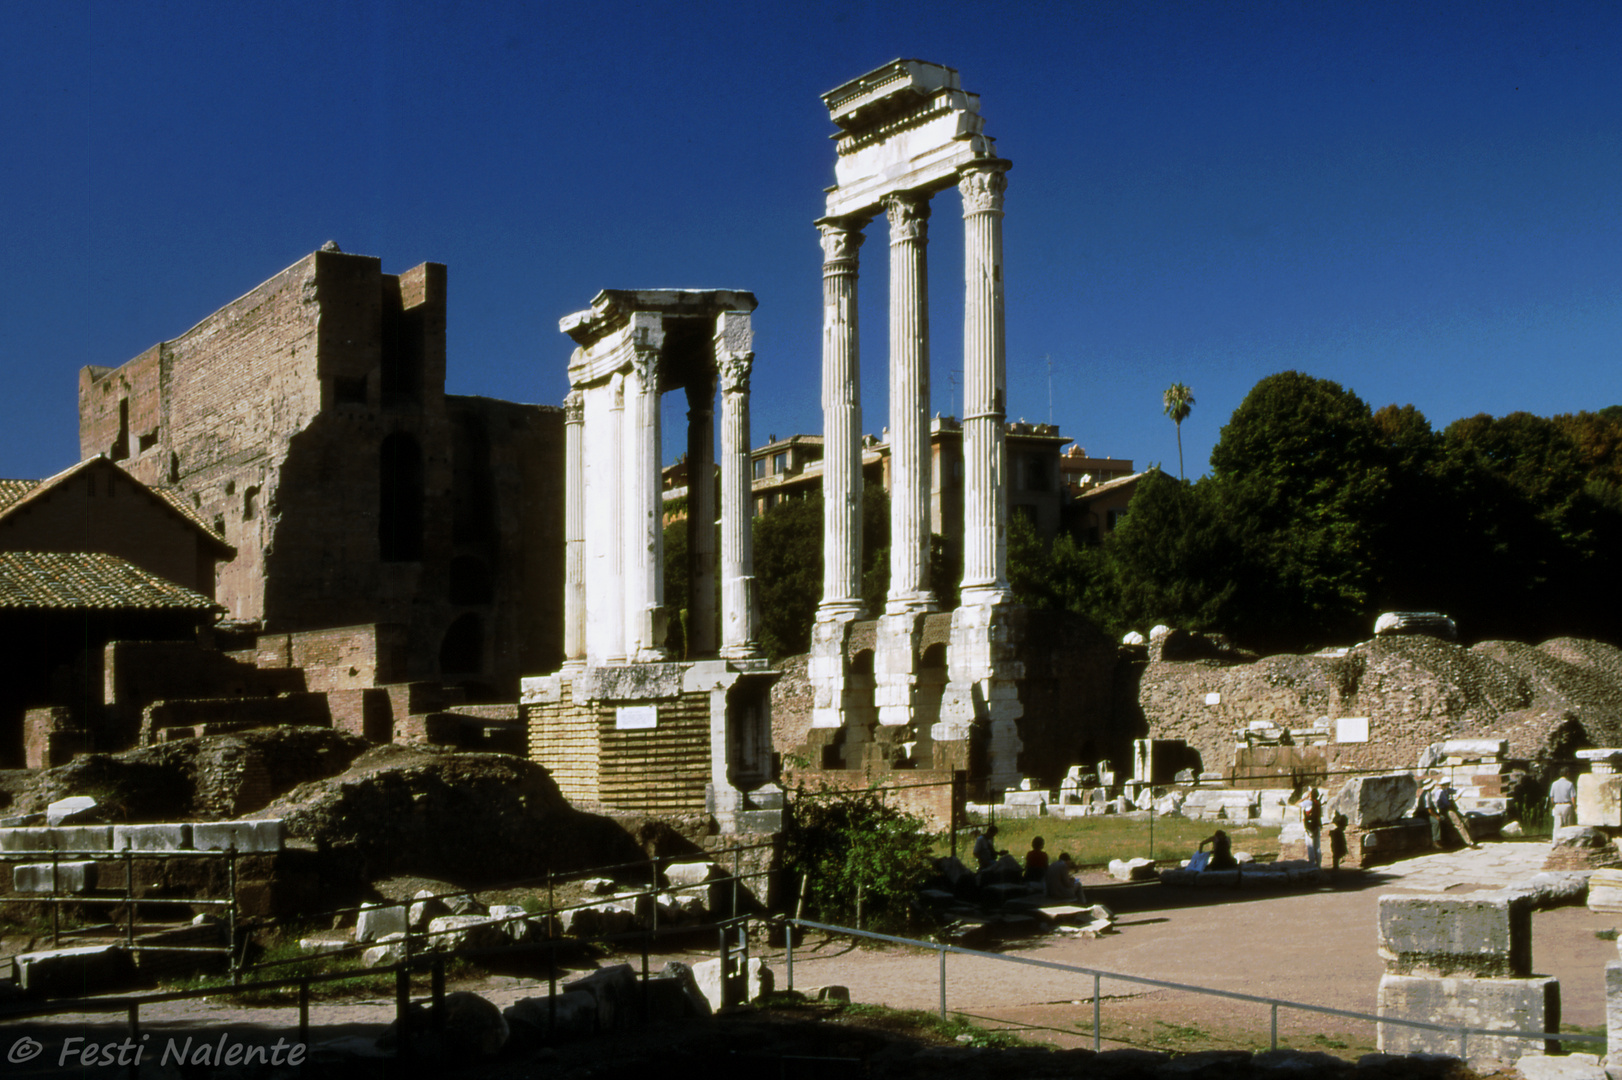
{"x": 1036, "y": 861}
{"x": 1221, "y": 852}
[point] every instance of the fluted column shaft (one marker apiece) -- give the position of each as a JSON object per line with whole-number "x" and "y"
{"x": 985, "y": 458}
{"x": 574, "y": 532}
{"x": 740, "y": 602}
{"x": 643, "y": 520}
{"x": 909, "y": 404}
{"x": 701, "y": 625}
{"x": 841, "y": 422}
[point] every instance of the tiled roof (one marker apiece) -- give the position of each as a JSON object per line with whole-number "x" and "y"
{"x": 81, "y": 581}
{"x": 12, "y": 490}
{"x": 25, "y": 491}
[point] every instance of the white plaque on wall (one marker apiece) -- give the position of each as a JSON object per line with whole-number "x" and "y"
{"x": 636, "y": 717}
{"x": 1213, "y": 698}
{"x": 1352, "y": 729}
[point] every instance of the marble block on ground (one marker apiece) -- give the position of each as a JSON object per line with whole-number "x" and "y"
{"x": 1374, "y": 800}
{"x": 1501, "y": 1004}
{"x": 1480, "y": 935}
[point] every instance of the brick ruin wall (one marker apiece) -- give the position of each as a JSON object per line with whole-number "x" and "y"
{"x": 270, "y": 418}
{"x": 1414, "y": 692}
{"x": 661, "y": 772}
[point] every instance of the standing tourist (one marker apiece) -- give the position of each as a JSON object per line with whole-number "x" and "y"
{"x": 1312, "y": 819}
{"x": 1563, "y": 800}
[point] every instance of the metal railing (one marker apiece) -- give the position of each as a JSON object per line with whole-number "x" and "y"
{"x": 1098, "y": 975}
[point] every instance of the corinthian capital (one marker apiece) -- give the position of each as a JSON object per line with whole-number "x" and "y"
{"x": 909, "y": 217}
{"x": 735, "y": 373}
{"x": 574, "y": 408}
{"x": 982, "y": 187}
{"x": 841, "y": 239}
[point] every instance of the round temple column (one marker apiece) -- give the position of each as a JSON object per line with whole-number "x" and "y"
{"x": 740, "y": 603}
{"x": 909, "y": 404}
{"x": 574, "y": 532}
{"x": 701, "y": 623}
{"x": 643, "y": 523}
{"x": 841, "y": 422}
{"x": 985, "y": 458}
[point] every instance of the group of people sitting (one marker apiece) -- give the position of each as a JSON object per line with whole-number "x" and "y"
{"x": 1057, "y": 877}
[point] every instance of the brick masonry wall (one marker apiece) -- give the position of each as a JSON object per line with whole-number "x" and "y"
{"x": 137, "y": 673}
{"x": 303, "y": 709}
{"x": 663, "y": 771}
{"x": 270, "y": 416}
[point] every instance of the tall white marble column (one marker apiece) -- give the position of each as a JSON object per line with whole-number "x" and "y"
{"x": 740, "y": 602}
{"x": 985, "y": 459}
{"x": 574, "y": 532}
{"x": 842, "y": 423}
{"x": 908, "y": 214}
{"x": 701, "y": 624}
{"x": 643, "y": 515}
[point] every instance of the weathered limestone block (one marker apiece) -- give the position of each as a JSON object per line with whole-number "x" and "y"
{"x": 1132, "y": 869}
{"x": 176, "y": 837}
{"x": 425, "y": 907}
{"x": 27, "y": 839}
{"x": 62, "y": 877}
{"x": 451, "y": 932}
{"x": 376, "y": 920}
{"x": 390, "y": 949}
{"x": 684, "y": 875}
{"x": 616, "y": 992}
{"x": 514, "y": 922}
{"x": 1374, "y": 800}
{"x": 1481, "y": 935}
{"x": 1599, "y": 800}
{"x": 90, "y": 969}
{"x": 758, "y": 981}
{"x": 65, "y": 811}
{"x": 264, "y": 835}
{"x": 1563, "y": 1067}
{"x": 83, "y": 837}
{"x": 571, "y": 1013}
{"x": 1605, "y": 892}
{"x": 1493, "y": 1004}
{"x": 1475, "y": 749}
{"x": 682, "y": 974}
{"x": 1613, "y": 1005}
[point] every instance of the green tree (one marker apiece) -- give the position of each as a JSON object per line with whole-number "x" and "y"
{"x": 1173, "y": 560}
{"x": 853, "y": 846}
{"x": 1177, "y": 401}
{"x": 788, "y": 567}
{"x": 1303, "y": 478}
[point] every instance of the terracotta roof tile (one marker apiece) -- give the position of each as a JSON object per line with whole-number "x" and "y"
{"x": 12, "y": 490}
{"x": 77, "y": 581}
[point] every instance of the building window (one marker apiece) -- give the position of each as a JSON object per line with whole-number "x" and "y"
{"x": 250, "y": 499}
{"x": 760, "y": 468}
{"x": 399, "y": 518}
{"x": 780, "y": 463}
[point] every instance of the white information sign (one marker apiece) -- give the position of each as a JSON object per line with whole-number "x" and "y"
{"x": 1352, "y": 729}
{"x": 636, "y": 718}
{"x": 1213, "y": 698}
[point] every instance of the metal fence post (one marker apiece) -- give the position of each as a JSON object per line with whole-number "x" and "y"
{"x": 1098, "y": 1036}
{"x": 402, "y": 1011}
{"x": 231, "y": 912}
{"x": 788, "y": 941}
{"x": 304, "y": 1012}
{"x": 942, "y": 952}
{"x": 1274, "y": 1044}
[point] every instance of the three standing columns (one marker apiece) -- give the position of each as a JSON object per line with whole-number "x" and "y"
{"x": 985, "y": 545}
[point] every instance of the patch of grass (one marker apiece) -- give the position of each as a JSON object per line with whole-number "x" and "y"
{"x": 1606, "y": 935}
{"x": 1094, "y": 841}
{"x": 1329, "y": 1044}
{"x": 949, "y": 1029}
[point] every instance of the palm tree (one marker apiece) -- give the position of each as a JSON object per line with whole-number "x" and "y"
{"x": 1178, "y": 400}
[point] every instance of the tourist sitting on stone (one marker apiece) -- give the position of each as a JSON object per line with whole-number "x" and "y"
{"x": 1036, "y": 861}
{"x": 1061, "y": 880}
{"x": 985, "y": 849}
{"x": 1221, "y": 852}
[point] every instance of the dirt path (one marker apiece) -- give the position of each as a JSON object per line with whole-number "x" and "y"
{"x": 1317, "y": 947}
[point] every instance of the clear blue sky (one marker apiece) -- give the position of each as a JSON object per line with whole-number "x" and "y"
{"x": 1420, "y": 201}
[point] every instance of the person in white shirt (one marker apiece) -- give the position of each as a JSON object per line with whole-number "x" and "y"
{"x": 1563, "y": 800}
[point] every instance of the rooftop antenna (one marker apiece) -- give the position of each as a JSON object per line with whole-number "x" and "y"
{"x": 1049, "y": 358}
